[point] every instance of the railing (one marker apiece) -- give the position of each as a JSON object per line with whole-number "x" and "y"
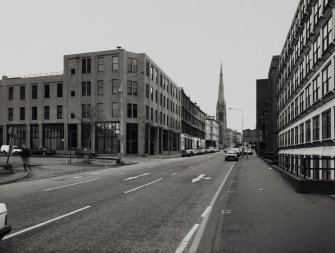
{"x": 314, "y": 168}
{"x": 33, "y": 75}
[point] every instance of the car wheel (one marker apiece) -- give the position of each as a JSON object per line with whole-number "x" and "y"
{"x": 43, "y": 153}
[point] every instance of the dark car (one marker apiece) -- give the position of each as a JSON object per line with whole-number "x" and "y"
{"x": 43, "y": 151}
{"x": 84, "y": 151}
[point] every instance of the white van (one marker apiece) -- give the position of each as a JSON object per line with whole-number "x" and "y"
{"x": 5, "y": 149}
{"x": 4, "y": 227}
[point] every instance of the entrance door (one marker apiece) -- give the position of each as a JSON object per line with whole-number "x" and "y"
{"x": 132, "y": 139}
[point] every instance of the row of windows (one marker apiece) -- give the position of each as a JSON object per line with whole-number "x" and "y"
{"x": 306, "y": 65}
{"x": 34, "y": 89}
{"x": 315, "y": 129}
{"x": 313, "y": 91}
{"x": 312, "y": 167}
{"x": 161, "y": 118}
{"x": 192, "y": 108}
{"x": 46, "y": 113}
{"x": 161, "y": 100}
{"x": 86, "y": 66}
{"x": 153, "y": 73}
{"x": 310, "y": 21}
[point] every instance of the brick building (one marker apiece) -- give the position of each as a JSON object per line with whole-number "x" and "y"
{"x": 53, "y": 110}
{"x": 212, "y": 132}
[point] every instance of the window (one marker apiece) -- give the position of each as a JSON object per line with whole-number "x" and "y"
{"x": 152, "y": 114}
{"x": 316, "y": 50}
{"x": 86, "y": 65}
{"x": 317, "y": 11}
{"x": 59, "y": 90}
{"x": 115, "y": 109}
{"x": 296, "y": 107}
{"x": 156, "y": 96}
{"x": 22, "y": 113}
{"x": 326, "y": 125}
{"x": 308, "y": 62}
{"x": 132, "y": 110}
{"x": 132, "y": 65}
{"x": 160, "y": 98}
{"x": 100, "y": 112}
{"x": 10, "y": 93}
{"x": 302, "y": 133}
{"x": 316, "y": 128}
{"x": 151, "y": 72}
{"x": 73, "y": 71}
{"x": 73, "y": 93}
{"x": 10, "y": 114}
{"x": 147, "y": 90}
{"x": 34, "y": 92}
{"x": 115, "y": 63}
{"x": 47, "y": 91}
{"x": 156, "y": 115}
{"x": 100, "y": 64}
{"x": 147, "y": 112}
{"x": 308, "y": 95}
{"x": 85, "y": 110}
{"x": 86, "y": 88}
{"x": 301, "y": 97}
{"x": 46, "y": 112}
{"x": 296, "y": 136}
{"x": 147, "y": 68}
{"x": 132, "y": 88}
{"x": 59, "y": 112}
{"x": 115, "y": 86}
{"x": 100, "y": 87}
{"x": 327, "y": 34}
{"x": 308, "y": 130}
{"x": 34, "y": 113}
{"x": 326, "y": 74}
{"x": 315, "y": 90}
{"x": 152, "y": 93}
{"x": 22, "y": 92}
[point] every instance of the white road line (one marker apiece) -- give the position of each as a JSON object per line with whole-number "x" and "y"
{"x": 186, "y": 239}
{"x": 94, "y": 173}
{"x": 143, "y": 185}
{"x": 44, "y": 223}
{"x": 201, "y": 230}
{"x": 77, "y": 177}
{"x": 63, "y": 186}
{"x": 130, "y": 178}
{"x": 206, "y": 212}
{"x": 173, "y": 174}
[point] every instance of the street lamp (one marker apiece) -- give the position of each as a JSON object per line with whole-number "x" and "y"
{"x": 121, "y": 113}
{"x": 236, "y": 109}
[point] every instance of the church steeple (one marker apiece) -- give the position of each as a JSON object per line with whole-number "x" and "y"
{"x": 221, "y": 114}
{"x": 221, "y": 100}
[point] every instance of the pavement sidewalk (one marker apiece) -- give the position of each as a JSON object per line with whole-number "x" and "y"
{"x": 261, "y": 212}
{"x": 63, "y": 167}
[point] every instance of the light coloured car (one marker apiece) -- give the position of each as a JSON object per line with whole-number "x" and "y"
{"x": 231, "y": 155}
{"x": 4, "y": 227}
{"x": 5, "y": 149}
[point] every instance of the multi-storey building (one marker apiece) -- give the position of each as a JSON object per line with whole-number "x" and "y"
{"x": 193, "y": 126}
{"x": 306, "y": 97}
{"x": 212, "y": 132}
{"x": 81, "y": 107}
{"x": 266, "y": 111}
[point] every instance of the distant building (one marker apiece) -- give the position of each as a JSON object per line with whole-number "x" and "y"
{"x": 266, "y": 111}
{"x": 212, "y": 132}
{"x": 193, "y": 126}
{"x": 233, "y": 138}
{"x": 221, "y": 114}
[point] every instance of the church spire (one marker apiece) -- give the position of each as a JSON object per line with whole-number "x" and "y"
{"x": 221, "y": 100}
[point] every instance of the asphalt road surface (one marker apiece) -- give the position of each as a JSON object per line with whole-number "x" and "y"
{"x": 153, "y": 207}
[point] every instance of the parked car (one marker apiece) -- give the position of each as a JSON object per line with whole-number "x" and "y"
{"x": 237, "y": 150}
{"x": 5, "y": 149}
{"x": 187, "y": 152}
{"x": 4, "y": 227}
{"x": 248, "y": 151}
{"x": 43, "y": 151}
{"x": 231, "y": 155}
{"x": 84, "y": 151}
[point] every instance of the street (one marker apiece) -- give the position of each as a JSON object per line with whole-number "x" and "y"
{"x": 149, "y": 207}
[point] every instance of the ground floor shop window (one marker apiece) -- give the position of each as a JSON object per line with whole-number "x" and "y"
{"x": 20, "y": 134}
{"x": 107, "y": 139}
{"x": 1, "y": 135}
{"x": 326, "y": 168}
{"x": 34, "y": 136}
{"x": 132, "y": 139}
{"x": 53, "y": 136}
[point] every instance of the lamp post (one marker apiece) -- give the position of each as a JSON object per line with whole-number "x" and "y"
{"x": 121, "y": 113}
{"x": 236, "y": 109}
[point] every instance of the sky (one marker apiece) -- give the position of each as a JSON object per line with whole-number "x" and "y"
{"x": 187, "y": 39}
